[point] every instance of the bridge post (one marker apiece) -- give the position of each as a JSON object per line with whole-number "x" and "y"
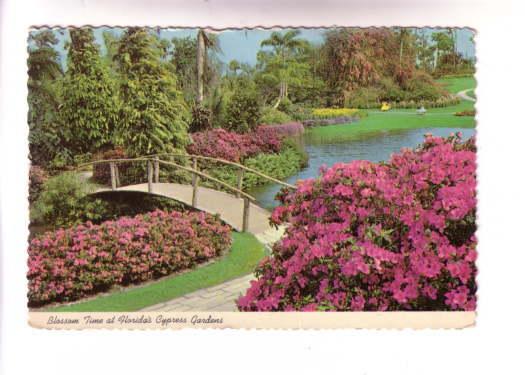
{"x": 117, "y": 177}
{"x": 157, "y": 169}
{"x": 240, "y": 176}
{"x": 195, "y": 185}
{"x": 113, "y": 176}
{"x": 150, "y": 177}
{"x": 246, "y": 215}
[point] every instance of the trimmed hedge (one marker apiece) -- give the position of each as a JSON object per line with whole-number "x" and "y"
{"x": 69, "y": 264}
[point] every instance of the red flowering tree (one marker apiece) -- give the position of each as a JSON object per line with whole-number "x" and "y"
{"x": 377, "y": 236}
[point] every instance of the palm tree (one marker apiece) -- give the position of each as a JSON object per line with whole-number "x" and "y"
{"x": 234, "y": 66}
{"x": 284, "y": 45}
{"x": 205, "y": 41}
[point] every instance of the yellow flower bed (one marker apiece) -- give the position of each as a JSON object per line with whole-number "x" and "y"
{"x": 333, "y": 112}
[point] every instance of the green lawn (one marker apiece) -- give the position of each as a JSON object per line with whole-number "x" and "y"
{"x": 457, "y": 84}
{"x": 397, "y": 119}
{"x": 245, "y": 254}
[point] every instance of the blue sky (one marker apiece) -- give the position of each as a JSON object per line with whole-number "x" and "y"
{"x": 242, "y": 45}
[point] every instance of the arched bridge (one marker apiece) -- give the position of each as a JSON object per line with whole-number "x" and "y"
{"x": 235, "y": 207}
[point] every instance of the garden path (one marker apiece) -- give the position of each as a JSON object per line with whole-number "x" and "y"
{"x": 220, "y": 297}
{"x": 229, "y": 207}
{"x": 463, "y": 95}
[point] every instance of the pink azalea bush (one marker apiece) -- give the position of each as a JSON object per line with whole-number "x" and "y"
{"x": 377, "y": 236}
{"x": 72, "y": 263}
{"x": 222, "y": 144}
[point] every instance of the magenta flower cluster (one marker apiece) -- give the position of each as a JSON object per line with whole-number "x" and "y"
{"x": 377, "y": 236}
{"x": 289, "y": 129}
{"x": 72, "y": 263}
{"x": 219, "y": 143}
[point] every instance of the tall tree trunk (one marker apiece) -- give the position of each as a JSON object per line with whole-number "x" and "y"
{"x": 401, "y": 51}
{"x": 281, "y": 95}
{"x": 201, "y": 51}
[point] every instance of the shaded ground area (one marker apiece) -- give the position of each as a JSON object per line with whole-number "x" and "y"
{"x": 212, "y": 201}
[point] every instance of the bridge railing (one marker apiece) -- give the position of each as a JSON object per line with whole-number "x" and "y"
{"x": 153, "y": 176}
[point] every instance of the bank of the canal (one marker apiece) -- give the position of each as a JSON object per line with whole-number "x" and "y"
{"x": 376, "y": 136}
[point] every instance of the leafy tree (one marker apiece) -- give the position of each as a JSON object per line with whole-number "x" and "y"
{"x": 280, "y": 64}
{"x": 243, "y": 109}
{"x": 89, "y": 103}
{"x": 44, "y": 71}
{"x": 184, "y": 57}
{"x": 356, "y": 59}
{"x": 444, "y": 44}
{"x": 234, "y": 66}
{"x": 154, "y": 117}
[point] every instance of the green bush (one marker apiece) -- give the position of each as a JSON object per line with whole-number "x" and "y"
{"x": 364, "y": 97}
{"x": 422, "y": 87}
{"x": 200, "y": 119}
{"x": 285, "y": 105}
{"x": 64, "y": 202}
{"x": 242, "y": 110}
{"x": 37, "y": 178}
{"x": 390, "y": 91}
{"x": 280, "y": 166}
{"x": 273, "y": 116}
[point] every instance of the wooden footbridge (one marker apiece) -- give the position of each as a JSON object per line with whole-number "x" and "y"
{"x": 235, "y": 207}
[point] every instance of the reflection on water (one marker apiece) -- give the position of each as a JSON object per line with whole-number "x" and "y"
{"x": 328, "y": 151}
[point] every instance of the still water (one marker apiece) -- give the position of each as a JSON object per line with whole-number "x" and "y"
{"x": 328, "y": 151}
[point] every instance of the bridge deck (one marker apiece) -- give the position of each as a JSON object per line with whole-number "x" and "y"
{"x": 212, "y": 201}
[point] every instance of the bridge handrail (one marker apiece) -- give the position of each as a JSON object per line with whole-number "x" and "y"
{"x": 224, "y": 161}
{"x": 189, "y": 156}
{"x": 207, "y": 176}
{"x": 188, "y": 169}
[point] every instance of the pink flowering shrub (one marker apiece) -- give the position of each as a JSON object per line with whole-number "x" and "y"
{"x": 377, "y": 236}
{"x": 222, "y": 144}
{"x": 72, "y": 263}
{"x": 288, "y": 129}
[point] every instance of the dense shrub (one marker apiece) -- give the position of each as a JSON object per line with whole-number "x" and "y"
{"x": 289, "y": 129}
{"x": 300, "y": 113}
{"x": 219, "y": 143}
{"x": 422, "y": 87}
{"x": 63, "y": 202}
{"x": 272, "y": 116}
{"x": 69, "y": 264}
{"x": 200, "y": 119}
{"x": 277, "y": 165}
{"x": 243, "y": 111}
{"x": 377, "y": 236}
{"x": 37, "y": 177}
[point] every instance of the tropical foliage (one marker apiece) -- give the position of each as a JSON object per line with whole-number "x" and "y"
{"x": 44, "y": 72}
{"x": 89, "y": 107}
{"x": 62, "y": 202}
{"x": 154, "y": 116}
